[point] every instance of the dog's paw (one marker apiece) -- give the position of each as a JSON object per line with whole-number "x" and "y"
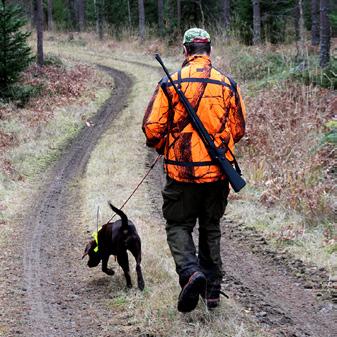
{"x": 109, "y": 271}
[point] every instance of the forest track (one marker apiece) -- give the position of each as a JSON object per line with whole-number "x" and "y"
{"x": 61, "y": 300}
{"x": 56, "y": 301}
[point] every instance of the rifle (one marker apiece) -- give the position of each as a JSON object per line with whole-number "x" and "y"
{"x": 236, "y": 181}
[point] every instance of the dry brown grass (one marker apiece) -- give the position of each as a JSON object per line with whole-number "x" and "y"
{"x": 283, "y": 148}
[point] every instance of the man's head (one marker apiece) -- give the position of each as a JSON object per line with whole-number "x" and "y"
{"x": 196, "y": 42}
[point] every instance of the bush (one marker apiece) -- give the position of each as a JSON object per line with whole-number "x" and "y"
{"x": 326, "y": 78}
{"x": 20, "y": 94}
{"x": 248, "y": 66}
{"x": 330, "y": 136}
{"x": 53, "y": 60}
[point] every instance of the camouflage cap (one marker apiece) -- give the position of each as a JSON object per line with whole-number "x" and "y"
{"x": 196, "y": 35}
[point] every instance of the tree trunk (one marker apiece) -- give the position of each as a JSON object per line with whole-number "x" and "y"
{"x": 99, "y": 18}
{"x": 161, "y": 16}
{"x": 39, "y": 32}
{"x": 315, "y": 22}
{"x": 226, "y": 13}
{"x": 179, "y": 14}
{"x": 202, "y": 14}
{"x": 299, "y": 30}
{"x": 141, "y": 14}
{"x": 50, "y": 15}
{"x": 296, "y": 15}
{"x": 129, "y": 14}
{"x": 256, "y": 22}
{"x": 325, "y": 34}
{"x": 81, "y": 14}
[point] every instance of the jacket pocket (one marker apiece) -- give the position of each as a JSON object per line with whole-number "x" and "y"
{"x": 173, "y": 206}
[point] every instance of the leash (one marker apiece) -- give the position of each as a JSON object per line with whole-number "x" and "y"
{"x": 135, "y": 190}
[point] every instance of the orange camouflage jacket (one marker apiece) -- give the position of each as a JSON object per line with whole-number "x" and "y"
{"x": 217, "y": 101}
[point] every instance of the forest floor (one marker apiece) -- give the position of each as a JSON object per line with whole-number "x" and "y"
{"x": 47, "y": 290}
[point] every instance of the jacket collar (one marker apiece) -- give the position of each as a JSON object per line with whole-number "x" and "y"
{"x": 203, "y": 60}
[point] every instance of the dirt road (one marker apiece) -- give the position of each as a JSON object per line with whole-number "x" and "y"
{"x": 57, "y": 304}
{"x": 58, "y": 299}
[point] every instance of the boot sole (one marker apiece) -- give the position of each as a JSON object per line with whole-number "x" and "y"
{"x": 189, "y": 296}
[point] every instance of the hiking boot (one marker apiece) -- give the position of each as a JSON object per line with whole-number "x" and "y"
{"x": 213, "y": 296}
{"x": 189, "y": 295}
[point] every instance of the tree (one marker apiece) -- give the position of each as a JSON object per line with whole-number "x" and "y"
{"x": 50, "y": 15}
{"x": 325, "y": 35}
{"x": 99, "y": 18}
{"x": 80, "y": 12}
{"x": 315, "y": 22}
{"x": 256, "y": 22}
{"x": 161, "y": 16}
{"x": 15, "y": 54}
{"x": 39, "y": 32}
{"x": 179, "y": 14}
{"x": 226, "y": 13}
{"x": 299, "y": 27}
{"x": 141, "y": 15}
{"x": 129, "y": 14}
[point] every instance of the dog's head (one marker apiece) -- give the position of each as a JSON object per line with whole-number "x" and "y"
{"x": 93, "y": 253}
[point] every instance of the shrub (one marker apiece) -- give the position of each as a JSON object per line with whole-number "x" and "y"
{"x": 250, "y": 66}
{"x": 20, "y": 94}
{"x": 325, "y": 78}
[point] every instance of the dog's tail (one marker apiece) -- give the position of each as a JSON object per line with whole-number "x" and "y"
{"x": 125, "y": 222}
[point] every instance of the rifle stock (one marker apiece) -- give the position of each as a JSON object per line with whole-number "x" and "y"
{"x": 236, "y": 181}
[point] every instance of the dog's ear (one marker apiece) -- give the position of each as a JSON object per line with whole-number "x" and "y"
{"x": 91, "y": 245}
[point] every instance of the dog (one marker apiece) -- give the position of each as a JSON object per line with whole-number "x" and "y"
{"x": 116, "y": 238}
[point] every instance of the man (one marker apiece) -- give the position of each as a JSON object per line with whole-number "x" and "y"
{"x": 195, "y": 188}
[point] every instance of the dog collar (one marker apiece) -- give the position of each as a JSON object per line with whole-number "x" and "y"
{"x": 95, "y": 237}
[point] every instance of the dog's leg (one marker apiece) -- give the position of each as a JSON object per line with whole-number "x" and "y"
{"x": 137, "y": 253}
{"x": 105, "y": 268}
{"x": 123, "y": 261}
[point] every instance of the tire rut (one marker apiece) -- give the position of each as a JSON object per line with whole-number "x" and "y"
{"x": 283, "y": 293}
{"x": 56, "y": 301}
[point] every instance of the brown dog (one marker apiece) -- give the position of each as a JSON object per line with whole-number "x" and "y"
{"x": 116, "y": 238}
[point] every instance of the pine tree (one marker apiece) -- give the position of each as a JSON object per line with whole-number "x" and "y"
{"x": 15, "y": 54}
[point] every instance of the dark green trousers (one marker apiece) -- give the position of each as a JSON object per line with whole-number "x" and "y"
{"x": 184, "y": 203}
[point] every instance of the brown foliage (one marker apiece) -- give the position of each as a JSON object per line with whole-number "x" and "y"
{"x": 59, "y": 87}
{"x": 283, "y": 151}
